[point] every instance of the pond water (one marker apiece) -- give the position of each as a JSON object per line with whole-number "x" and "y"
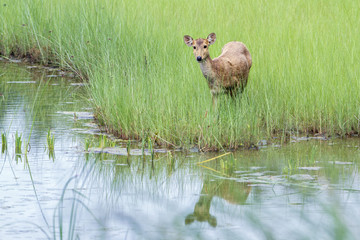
{"x": 302, "y": 190}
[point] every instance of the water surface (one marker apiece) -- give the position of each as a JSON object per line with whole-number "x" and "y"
{"x": 303, "y": 190}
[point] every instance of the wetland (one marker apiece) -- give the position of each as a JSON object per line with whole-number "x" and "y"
{"x": 63, "y": 178}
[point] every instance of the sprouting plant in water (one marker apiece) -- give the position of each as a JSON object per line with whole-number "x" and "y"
{"x": 312, "y": 159}
{"x": 292, "y": 165}
{"x": 87, "y": 144}
{"x": 3, "y": 142}
{"x": 27, "y": 149}
{"x": 224, "y": 165}
{"x": 18, "y": 143}
{"x": 170, "y": 162}
{"x": 286, "y": 171}
{"x": 102, "y": 141}
{"x": 105, "y": 142}
{"x": 50, "y": 139}
{"x": 128, "y": 147}
{"x": 227, "y": 166}
{"x": 59, "y": 228}
{"x": 151, "y": 149}
{"x": 170, "y": 158}
{"x": 231, "y": 164}
{"x": 143, "y": 142}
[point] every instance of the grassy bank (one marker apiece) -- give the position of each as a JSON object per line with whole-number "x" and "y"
{"x": 145, "y": 81}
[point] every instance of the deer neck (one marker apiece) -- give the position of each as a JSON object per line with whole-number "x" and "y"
{"x": 206, "y": 67}
{"x": 202, "y": 207}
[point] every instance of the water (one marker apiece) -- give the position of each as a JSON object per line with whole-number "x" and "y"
{"x": 304, "y": 190}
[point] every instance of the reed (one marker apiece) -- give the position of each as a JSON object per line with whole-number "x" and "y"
{"x": 87, "y": 144}
{"x": 3, "y": 143}
{"x": 143, "y": 79}
{"x": 50, "y": 139}
{"x": 151, "y": 150}
{"x": 128, "y": 148}
{"x": 18, "y": 143}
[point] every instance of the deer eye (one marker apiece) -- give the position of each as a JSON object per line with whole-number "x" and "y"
{"x": 205, "y": 46}
{"x": 194, "y": 47}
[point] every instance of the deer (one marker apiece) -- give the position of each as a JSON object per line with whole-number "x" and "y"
{"x": 231, "y": 191}
{"x": 229, "y": 72}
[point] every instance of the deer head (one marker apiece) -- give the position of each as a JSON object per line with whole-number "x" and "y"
{"x": 200, "y": 46}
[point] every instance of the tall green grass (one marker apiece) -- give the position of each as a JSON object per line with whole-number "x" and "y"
{"x": 145, "y": 81}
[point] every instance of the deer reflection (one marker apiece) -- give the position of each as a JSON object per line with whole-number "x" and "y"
{"x": 229, "y": 190}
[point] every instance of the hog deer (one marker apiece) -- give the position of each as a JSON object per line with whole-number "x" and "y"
{"x": 231, "y": 191}
{"x": 227, "y": 73}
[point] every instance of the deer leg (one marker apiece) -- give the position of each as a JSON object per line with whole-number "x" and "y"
{"x": 233, "y": 92}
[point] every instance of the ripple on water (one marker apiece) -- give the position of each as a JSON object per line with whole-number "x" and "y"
{"x": 157, "y": 194}
{"x": 78, "y": 115}
{"x": 302, "y": 177}
{"x": 310, "y": 168}
{"x": 123, "y": 151}
{"x": 21, "y": 82}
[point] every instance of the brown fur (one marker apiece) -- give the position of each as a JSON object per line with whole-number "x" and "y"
{"x": 227, "y": 73}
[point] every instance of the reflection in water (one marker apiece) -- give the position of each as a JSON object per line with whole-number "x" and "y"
{"x": 53, "y": 186}
{"x": 31, "y": 178}
{"x": 229, "y": 190}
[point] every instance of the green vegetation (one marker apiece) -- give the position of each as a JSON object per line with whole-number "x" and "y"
{"x": 3, "y": 143}
{"x": 145, "y": 81}
{"x": 250, "y": 180}
{"x": 104, "y": 141}
{"x": 18, "y": 143}
{"x": 128, "y": 144}
{"x": 50, "y": 139}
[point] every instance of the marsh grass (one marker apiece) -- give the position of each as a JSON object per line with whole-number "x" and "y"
{"x": 104, "y": 141}
{"x": 144, "y": 79}
{"x": 128, "y": 145}
{"x": 50, "y": 140}
{"x": 101, "y": 141}
{"x": 59, "y": 229}
{"x": 87, "y": 144}
{"x": 151, "y": 149}
{"x": 3, "y": 143}
{"x": 18, "y": 143}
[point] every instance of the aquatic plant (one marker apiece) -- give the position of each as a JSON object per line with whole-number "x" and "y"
{"x": 18, "y": 143}
{"x": 104, "y": 141}
{"x": 170, "y": 158}
{"x": 170, "y": 162}
{"x": 50, "y": 140}
{"x": 143, "y": 142}
{"x": 87, "y": 144}
{"x": 3, "y": 143}
{"x": 128, "y": 147}
{"x": 151, "y": 149}
{"x": 301, "y": 67}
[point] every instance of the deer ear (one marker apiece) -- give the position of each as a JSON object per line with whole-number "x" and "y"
{"x": 188, "y": 40}
{"x": 211, "y": 38}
